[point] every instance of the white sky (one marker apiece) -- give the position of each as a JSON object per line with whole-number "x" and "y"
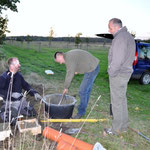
{"x": 69, "y": 17}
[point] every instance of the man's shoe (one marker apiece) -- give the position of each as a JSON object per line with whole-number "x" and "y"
{"x": 78, "y": 116}
{"x": 109, "y": 131}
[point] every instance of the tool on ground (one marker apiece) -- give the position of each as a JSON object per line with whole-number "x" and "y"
{"x": 139, "y": 133}
{"x": 74, "y": 120}
{"x": 73, "y": 131}
{"x": 63, "y": 95}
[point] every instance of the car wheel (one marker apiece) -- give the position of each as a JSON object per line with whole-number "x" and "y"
{"x": 145, "y": 78}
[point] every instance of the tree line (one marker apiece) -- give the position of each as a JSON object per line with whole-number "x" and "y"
{"x": 63, "y": 39}
{"x": 11, "y": 4}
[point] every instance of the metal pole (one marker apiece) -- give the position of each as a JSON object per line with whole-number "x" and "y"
{"x": 139, "y": 133}
{"x": 74, "y": 120}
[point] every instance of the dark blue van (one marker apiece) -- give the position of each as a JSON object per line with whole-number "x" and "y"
{"x": 141, "y": 65}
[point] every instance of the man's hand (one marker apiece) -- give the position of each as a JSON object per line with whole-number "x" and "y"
{"x": 37, "y": 96}
{"x": 65, "y": 91}
{"x": 1, "y": 98}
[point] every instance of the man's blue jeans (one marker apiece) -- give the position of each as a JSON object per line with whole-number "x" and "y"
{"x": 85, "y": 89}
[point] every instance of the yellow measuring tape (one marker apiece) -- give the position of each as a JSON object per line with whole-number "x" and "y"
{"x": 74, "y": 120}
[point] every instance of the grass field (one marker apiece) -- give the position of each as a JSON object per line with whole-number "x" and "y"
{"x": 33, "y": 61}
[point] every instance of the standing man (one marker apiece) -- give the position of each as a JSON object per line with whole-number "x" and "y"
{"x": 11, "y": 85}
{"x": 82, "y": 62}
{"x": 120, "y": 59}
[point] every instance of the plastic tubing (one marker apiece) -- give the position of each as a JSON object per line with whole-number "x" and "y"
{"x": 69, "y": 142}
{"x": 62, "y": 145}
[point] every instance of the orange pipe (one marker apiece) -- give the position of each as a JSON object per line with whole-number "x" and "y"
{"x": 62, "y": 145}
{"x": 54, "y": 135}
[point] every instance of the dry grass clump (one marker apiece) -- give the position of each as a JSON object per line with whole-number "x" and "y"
{"x": 34, "y": 78}
{"x": 45, "y": 86}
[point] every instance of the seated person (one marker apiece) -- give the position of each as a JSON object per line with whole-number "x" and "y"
{"x": 11, "y": 85}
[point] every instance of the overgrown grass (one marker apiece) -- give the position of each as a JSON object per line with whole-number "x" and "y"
{"x": 138, "y": 97}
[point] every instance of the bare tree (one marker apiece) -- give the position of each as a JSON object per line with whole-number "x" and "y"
{"x": 87, "y": 42}
{"x": 28, "y": 39}
{"x": 78, "y": 39}
{"x": 51, "y": 34}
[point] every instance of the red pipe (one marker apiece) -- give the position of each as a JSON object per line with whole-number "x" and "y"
{"x": 65, "y": 140}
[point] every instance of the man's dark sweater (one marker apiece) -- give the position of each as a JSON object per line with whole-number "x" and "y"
{"x": 78, "y": 61}
{"x": 18, "y": 84}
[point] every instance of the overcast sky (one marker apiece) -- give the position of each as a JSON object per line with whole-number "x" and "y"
{"x": 69, "y": 17}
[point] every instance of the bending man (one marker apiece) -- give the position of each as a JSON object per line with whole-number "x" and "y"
{"x": 82, "y": 62}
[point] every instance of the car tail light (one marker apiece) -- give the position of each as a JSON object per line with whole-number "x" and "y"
{"x": 136, "y": 59}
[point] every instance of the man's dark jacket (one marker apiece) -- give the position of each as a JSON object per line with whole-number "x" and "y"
{"x": 18, "y": 84}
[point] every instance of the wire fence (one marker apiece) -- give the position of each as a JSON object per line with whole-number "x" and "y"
{"x": 39, "y": 45}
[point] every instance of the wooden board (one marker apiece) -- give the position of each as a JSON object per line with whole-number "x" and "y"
{"x": 29, "y": 125}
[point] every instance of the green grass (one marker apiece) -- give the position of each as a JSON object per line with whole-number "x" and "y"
{"x": 138, "y": 96}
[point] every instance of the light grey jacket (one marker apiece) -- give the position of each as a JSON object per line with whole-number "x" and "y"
{"x": 121, "y": 53}
{"x": 79, "y": 61}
